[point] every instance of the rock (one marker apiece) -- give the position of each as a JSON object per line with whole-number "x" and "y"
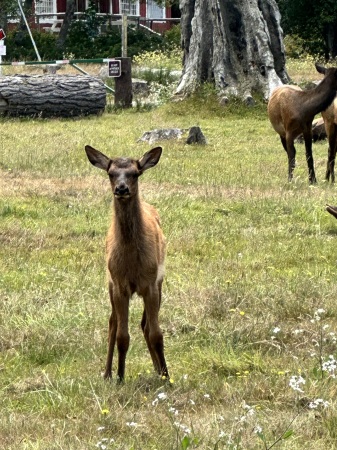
{"x": 196, "y": 136}
{"x": 140, "y": 87}
{"x": 51, "y": 68}
{"x": 161, "y": 135}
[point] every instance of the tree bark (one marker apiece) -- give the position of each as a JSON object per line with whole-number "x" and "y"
{"x": 67, "y": 21}
{"x": 51, "y": 95}
{"x": 235, "y": 44}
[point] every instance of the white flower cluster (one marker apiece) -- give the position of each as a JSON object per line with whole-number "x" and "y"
{"x": 182, "y": 427}
{"x": 330, "y": 366}
{"x": 317, "y": 403}
{"x": 318, "y": 315}
{"x": 295, "y": 382}
{"x": 104, "y": 443}
{"x": 160, "y": 396}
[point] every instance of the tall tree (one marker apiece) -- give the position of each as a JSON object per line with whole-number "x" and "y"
{"x": 235, "y": 44}
{"x": 314, "y": 21}
{"x": 68, "y": 19}
{"x": 7, "y": 8}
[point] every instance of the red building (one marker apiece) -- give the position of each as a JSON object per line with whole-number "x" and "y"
{"x": 148, "y": 11}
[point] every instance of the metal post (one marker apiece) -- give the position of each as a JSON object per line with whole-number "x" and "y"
{"x": 124, "y": 36}
{"x": 30, "y": 34}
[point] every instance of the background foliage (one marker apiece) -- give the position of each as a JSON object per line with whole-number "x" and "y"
{"x": 314, "y": 22}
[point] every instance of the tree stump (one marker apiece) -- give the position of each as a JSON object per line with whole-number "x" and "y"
{"x": 51, "y": 95}
{"x": 236, "y": 45}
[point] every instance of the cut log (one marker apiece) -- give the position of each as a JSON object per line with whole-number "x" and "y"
{"x": 51, "y": 95}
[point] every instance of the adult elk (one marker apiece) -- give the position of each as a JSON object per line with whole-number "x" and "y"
{"x": 135, "y": 248}
{"x": 291, "y": 112}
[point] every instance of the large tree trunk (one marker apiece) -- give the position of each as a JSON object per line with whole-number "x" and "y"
{"x": 235, "y": 44}
{"x": 51, "y": 95}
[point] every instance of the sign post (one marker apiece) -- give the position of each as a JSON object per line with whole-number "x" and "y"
{"x": 2, "y": 47}
{"x": 120, "y": 68}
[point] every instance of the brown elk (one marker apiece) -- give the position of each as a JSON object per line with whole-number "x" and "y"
{"x": 330, "y": 123}
{"x": 135, "y": 249}
{"x": 291, "y": 112}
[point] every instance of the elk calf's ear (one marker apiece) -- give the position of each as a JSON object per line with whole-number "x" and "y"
{"x": 97, "y": 158}
{"x": 150, "y": 159}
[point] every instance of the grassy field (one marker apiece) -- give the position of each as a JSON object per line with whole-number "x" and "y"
{"x": 249, "y": 300}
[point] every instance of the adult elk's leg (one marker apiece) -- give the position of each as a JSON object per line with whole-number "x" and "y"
{"x": 152, "y": 331}
{"x": 112, "y": 335}
{"x": 307, "y": 135}
{"x": 291, "y": 152}
{"x": 331, "y": 154}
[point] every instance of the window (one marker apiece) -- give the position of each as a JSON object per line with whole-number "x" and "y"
{"x": 154, "y": 11}
{"x": 45, "y": 6}
{"x": 128, "y": 7}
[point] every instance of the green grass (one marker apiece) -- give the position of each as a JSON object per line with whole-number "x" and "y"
{"x": 247, "y": 253}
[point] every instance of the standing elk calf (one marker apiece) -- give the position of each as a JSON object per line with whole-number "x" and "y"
{"x": 135, "y": 248}
{"x": 291, "y": 112}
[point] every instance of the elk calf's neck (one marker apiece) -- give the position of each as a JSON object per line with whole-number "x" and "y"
{"x": 135, "y": 249}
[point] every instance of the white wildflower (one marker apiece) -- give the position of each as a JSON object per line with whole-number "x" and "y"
{"x": 318, "y": 402}
{"x": 131, "y": 424}
{"x": 162, "y": 396}
{"x": 295, "y": 382}
{"x": 330, "y": 366}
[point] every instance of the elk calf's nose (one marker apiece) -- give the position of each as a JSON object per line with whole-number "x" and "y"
{"x": 122, "y": 189}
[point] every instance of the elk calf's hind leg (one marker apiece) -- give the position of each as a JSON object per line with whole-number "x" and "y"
{"x": 152, "y": 330}
{"x": 153, "y": 354}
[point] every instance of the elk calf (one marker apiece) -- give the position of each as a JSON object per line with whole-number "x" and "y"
{"x": 291, "y": 112}
{"x": 135, "y": 249}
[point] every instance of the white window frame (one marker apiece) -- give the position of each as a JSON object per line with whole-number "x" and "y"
{"x": 131, "y": 4}
{"x": 152, "y": 3}
{"x": 53, "y": 9}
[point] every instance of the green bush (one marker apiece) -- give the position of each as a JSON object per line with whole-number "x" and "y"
{"x": 20, "y": 47}
{"x": 172, "y": 37}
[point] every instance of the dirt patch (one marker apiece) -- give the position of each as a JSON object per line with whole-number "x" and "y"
{"x": 13, "y": 185}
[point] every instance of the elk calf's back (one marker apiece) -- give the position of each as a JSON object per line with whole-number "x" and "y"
{"x": 135, "y": 249}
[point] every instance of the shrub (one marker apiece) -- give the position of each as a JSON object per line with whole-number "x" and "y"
{"x": 20, "y": 47}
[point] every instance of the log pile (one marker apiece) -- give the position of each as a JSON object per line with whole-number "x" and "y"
{"x": 51, "y": 95}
